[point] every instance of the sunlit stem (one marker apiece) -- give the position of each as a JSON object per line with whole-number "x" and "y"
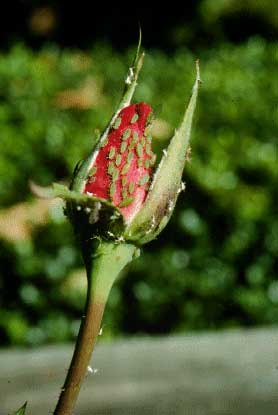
{"x": 103, "y": 268}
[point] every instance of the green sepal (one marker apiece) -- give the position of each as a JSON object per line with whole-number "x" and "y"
{"x": 167, "y": 181}
{"x": 21, "y": 411}
{"x": 91, "y": 216}
{"x": 62, "y": 191}
{"x": 82, "y": 168}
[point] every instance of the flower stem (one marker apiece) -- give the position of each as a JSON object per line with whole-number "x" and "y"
{"x": 103, "y": 267}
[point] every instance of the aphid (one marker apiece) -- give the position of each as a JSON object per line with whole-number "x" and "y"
{"x": 91, "y": 179}
{"x": 144, "y": 179}
{"x": 153, "y": 158}
{"x": 149, "y": 119}
{"x": 126, "y": 201}
{"x": 112, "y": 189}
{"x": 111, "y": 153}
{"x": 92, "y": 171}
{"x": 123, "y": 147}
{"x": 147, "y": 163}
{"x": 126, "y": 134}
{"x": 115, "y": 175}
{"x": 118, "y": 160}
{"x": 129, "y": 157}
{"x": 139, "y": 150}
{"x": 125, "y": 168}
{"x": 124, "y": 193}
{"x": 104, "y": 142}
{"x": 117, "y": 123}
{"x": 143, "y": 141}
{"x": 131, "y": 187}
{"x": 148, "y": 149}
{"x": 134, "y": 118}
{"x": 132, "y": 144}
{"x": 111, "y": 167}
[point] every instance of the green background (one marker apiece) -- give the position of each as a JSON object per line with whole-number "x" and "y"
{"x": 215, "y": 265}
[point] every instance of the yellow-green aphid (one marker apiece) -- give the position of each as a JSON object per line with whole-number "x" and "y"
{"x": 112, "y": 190}
{"x": 117, "y": 123}
{"x": 144, "y": 179}
{"x": 125, "y": 168}
{"x": 126, "y": 201}
{"x": 111, "y": 167}
{"x": 134, "y": 118}
{"x": 139, "y": 150}
{"x": 148, "y": 149}
{"x": 123, "y": 147}
{"x": 129, "y": 157}
{"x": 124, "y": 181}
{"x": 118, "y": 160}
{"x": 104, "y": 142}
{"x": 147, "y": 163}
{"x": 131, "y": 187}
{"x": 111, "y": 153}
{"x": 124, "y": 193}
{"x": 126, "y": 134}
{"x": 92, "y": 171}
{"x": 115, "y": 175}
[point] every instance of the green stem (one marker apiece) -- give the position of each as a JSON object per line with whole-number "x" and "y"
{"x": 103, "y": 267}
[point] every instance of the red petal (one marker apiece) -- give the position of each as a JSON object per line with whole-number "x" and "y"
{"x": 122, "y": 168}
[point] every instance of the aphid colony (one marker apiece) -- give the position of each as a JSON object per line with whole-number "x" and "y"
{"x": 121, "y": 169}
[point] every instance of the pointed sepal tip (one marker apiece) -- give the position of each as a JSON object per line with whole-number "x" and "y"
{"x": 167, "y": 181}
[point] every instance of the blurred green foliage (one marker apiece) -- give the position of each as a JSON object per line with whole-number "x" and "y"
{"x": 215, "y": 265}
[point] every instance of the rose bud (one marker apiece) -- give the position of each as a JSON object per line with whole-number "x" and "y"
{"x": 117, "y": 203}
{"x": 114, "y": 193}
